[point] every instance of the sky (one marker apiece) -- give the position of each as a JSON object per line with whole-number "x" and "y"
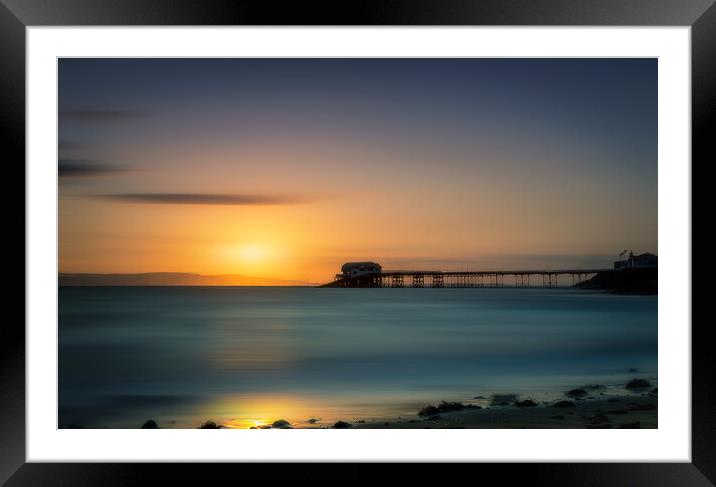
{"x": 288, "y": 168}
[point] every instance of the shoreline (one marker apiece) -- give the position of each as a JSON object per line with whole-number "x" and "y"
{"x": 633, "y": 410}
{"x": 637, "y": 410}
{"x": 614, "y": 412}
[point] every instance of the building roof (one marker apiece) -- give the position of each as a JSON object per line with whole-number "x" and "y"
{"x": 349, "y": 266}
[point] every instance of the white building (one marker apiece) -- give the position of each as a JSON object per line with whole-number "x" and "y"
{"x": 636, "y": 261}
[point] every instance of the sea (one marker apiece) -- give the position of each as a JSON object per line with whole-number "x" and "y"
{"x": 244, "y": 357}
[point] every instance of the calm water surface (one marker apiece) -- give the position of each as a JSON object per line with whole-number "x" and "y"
{"x": 246, "y": 356}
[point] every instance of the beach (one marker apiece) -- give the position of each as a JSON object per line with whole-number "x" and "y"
{"x": 635, "y": 409}
{"x": 639, "y": 412}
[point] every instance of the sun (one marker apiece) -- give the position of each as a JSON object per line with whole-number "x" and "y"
{"x": 250, "y": 258}
{"x": 253, "y": 253}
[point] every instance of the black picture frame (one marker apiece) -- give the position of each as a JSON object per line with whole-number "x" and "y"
{"x": 700, "y": 15}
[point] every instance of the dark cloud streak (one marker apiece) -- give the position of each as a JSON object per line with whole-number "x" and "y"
{"x": 89, "y": 114}
{"x": 70, "y": 168}
{"x": 71, "y": 145}
{"x": 207, "y": 199}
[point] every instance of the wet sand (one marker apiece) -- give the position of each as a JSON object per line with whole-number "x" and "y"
{"x": 599, "y": 413}
{"x": 620, "y": 411}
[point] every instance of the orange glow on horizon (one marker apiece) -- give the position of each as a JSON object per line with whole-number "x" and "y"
{"x": 309, "y": 242}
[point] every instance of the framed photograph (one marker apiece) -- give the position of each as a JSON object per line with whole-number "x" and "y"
{"x": 425, "y": 233}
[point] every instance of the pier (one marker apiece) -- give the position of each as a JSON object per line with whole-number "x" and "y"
{"x": 370, "y": 274}
{"x": 521, "y": 278}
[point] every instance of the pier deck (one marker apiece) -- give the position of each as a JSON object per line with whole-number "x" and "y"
{"x": 486, "y": 278}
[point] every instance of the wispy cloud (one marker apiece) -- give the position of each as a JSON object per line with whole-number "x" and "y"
{"x": 69, "y": 168}
{"x": 71, "y": 145}
{"x": 92, "y": 114}
{"x": 208, "y": 199}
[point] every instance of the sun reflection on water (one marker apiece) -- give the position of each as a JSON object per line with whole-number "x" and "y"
{"x": 246, "y": 412}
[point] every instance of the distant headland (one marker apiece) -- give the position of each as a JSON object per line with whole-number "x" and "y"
{"x": 626, "y": 281}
